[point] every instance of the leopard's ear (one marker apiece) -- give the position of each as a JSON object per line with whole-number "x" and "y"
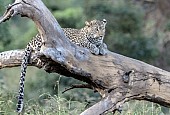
{"x": 104, "y": 21}
{"x": 87, "y": 23}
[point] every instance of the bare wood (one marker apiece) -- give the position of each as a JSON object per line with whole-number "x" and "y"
{"x": 13, "y": 58}
{"x": 117, "y": 78}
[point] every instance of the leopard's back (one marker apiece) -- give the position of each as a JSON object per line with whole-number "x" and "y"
{"x": 73, "y": 35}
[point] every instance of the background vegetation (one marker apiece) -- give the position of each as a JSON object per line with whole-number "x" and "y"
{"x": 131, "y": 31}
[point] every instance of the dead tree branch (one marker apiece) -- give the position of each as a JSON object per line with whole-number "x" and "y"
{"x": 117, "y": 78}
{"x": 78, "y": 86}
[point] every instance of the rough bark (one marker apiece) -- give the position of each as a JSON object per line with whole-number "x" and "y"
{"x": 117, "y": 78}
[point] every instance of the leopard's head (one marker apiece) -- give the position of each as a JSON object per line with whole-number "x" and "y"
{"x": 95, "y": 30}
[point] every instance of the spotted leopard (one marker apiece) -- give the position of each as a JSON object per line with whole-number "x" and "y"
{"x": 91, "y": 37}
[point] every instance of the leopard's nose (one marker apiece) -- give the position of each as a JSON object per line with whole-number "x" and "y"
{"x": 101, "y": 37}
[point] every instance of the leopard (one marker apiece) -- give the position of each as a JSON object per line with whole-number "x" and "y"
{"x": 90, "y": 36}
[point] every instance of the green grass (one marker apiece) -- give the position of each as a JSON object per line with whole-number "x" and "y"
{"x": 45, "y": 105}
{"x": 53, "y": 105}
{"x": 57, "y": 105}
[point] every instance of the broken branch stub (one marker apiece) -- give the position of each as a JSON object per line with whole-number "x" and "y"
{"x": 117, "y": 78}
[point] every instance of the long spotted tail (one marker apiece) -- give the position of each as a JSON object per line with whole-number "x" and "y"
{"x": 25, "y": 60}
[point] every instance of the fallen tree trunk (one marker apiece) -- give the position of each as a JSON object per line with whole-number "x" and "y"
{"x": 117, "y": 78}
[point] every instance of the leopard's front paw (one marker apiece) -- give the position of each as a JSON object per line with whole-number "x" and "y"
{"x": 103, "y": 49}
{"x": 95, "y": 51}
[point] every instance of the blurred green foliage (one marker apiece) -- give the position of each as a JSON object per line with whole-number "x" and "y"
{"x": 124, "y": 35}
{"x": 68, "y": 14}
{"x": 5, "y": 37}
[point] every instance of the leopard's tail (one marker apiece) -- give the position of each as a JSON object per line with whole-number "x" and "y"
{"x": 25, "y": 60}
